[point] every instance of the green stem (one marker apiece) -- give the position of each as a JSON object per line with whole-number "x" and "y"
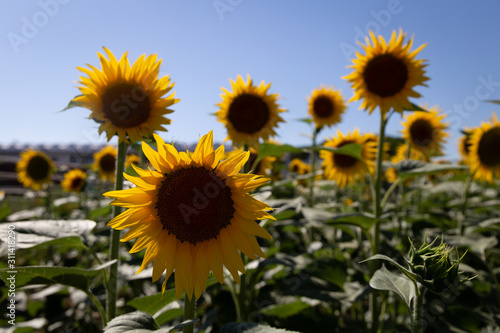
{"x": 417, "y": 312}
{"x": 188, "y": 312}
{"x": 465, "y": 194}
{"x": 389, "y": 191}
{"x": 99, "y": 307}
{"x": 312, "y": 159}
{"x": 377, "y": 208}
{"x": 115, "y": 234}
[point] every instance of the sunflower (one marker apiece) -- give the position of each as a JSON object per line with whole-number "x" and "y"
{"x": 426, "y": 131}
{"x": 127, "y": 100}
{"x": 34, "y": 169}
{"x": 249, "y": 112}
{"x": 371, "y": 140}
{"x": 296, "y": 166}
{"x": 132, "y": 159}
{"x": 464, "y": 145}
{"x": 105, "y": 163}
{"x": 386, "y": 75}
{"x": 264, "y": 167}
{"x": 343, "y": 168}
{"x": 485, "y": 150}
{"x": 74, "y": 180}
{"x": 402, "y": 154}
{"x": 326, "y": 106}
{"x": 193, "y": 214}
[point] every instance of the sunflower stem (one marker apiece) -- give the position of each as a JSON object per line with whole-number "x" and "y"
{"x": 312, "y": 159}
{"x": 115, "y": 234}
{"x": 188, "y": 312}
{"x": 99, "y": 307}
{"x": 377, "y": 208}
{"x": 465, "y": 194}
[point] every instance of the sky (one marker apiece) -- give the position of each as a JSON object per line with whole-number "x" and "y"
{"x": 296, "y": 46}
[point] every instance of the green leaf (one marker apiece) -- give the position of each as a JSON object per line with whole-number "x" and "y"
{"x": 4, "y": 211}
{"x": 53, "y": 232}
{"x": 169, "y": 315}
{"x": 285, "y": 310}
{"x": 415, "y": 107}
{"x": 361, "y": 220}
{"x": 153, "y": 303}
{"x": 48, "y": 275}
{"x": 383, "y": 279}
{"x": 72, "y": 104}
{"x": 250, "y": 328}
{"x": 493, "y": 101}
{"x": 429, "y": 168}
{"x": 137, "y": 321}
{"x": 403, "y": 270}
{"x": 306, "y": 120}
{"x": 101, "y": 212}
{"x": 271, "y": 149}
{"x": 352, "y": 149}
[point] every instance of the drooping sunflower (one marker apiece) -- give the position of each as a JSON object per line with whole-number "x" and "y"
{"x": 132, "y": 159}
{"x": 34, "y": 169}
{"x": 485, "y": 150}
{"x": 105, "y": 163}
{"x": 193, "y": 213}
{"x": 326, "y": 106}
{"x": 74, "y": 181}
{"x": 386, "y": 75}
{"x": 426, "y": 131}
{"x": 343, "y": 168}
{"x": 249, "y": 112}
{"x": 127, "y": 100}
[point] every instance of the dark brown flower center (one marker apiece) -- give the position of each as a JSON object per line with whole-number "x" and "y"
{"x": 38, "y": 168}
{"x": 248, "y": 113}
{"x": 344, "y": 161}
{"x": 126, "y": 105}
{"x": 76, "y": 182}
{"x": 323, "y": 107}
{"x": 107, "y": 163}
{"x": 422, "y": 133}
{"x": 489, "y": 147}
{"x": 385, "y": 75}
{"x": 194, "y": 204}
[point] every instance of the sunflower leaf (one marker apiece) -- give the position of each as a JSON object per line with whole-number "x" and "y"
{"x": 415, "y": 107}
{"x": 250, "y": 328}
{"x": 428, "y": 168}
{"x": 351, "y": 149}
{"x": 49, "y": 275}
{"x": 285, "y": 310}
{"x": 137, "y": 321}
{"x": 306, "y": 120}
{"x": 383, "y": 279}
{"x": 271, "y": 149}
{"x": 71, "y": 104}
{"x": 363, "y": 221}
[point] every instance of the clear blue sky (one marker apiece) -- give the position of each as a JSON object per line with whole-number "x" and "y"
{"x": 294, "y": 45}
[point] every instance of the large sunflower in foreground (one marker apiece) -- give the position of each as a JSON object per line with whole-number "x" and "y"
{"x": 386, "y": 75}
{"x": 127, "y": 100}
{"x": 105, "y": 163}
{"x": 74, "y": 181}
{"x": 426, "y": 131}
{"x": 193, "y": 214}
{"x": 343, "y": 168}
{"x": 485, "y": 150}
{"x": 326, "y": 106}
{"x": 34, "y": 169}
{"x": 249, "y": 112}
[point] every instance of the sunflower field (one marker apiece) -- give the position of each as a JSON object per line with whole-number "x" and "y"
{"x": 355, "y": 232}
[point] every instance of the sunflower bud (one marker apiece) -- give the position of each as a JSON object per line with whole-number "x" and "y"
{"x": 434, "y": 265}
